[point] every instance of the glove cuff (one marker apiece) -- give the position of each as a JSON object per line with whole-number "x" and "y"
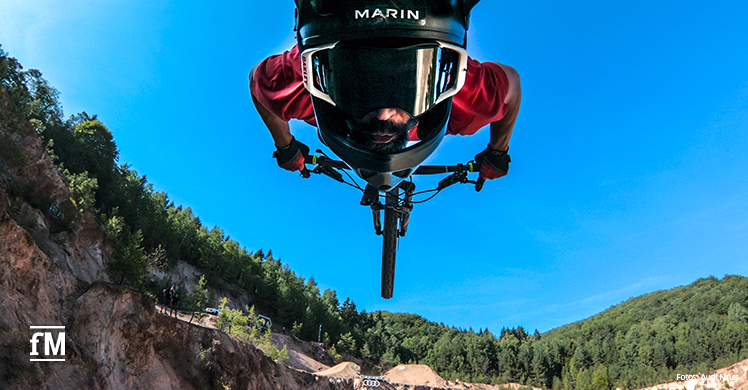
{"x": 496, "y": 152}
{"x": 282, "y": 148}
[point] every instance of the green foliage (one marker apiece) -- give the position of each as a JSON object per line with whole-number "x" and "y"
{"x": 347, "y": 342}
{"x": 157, "y": 259}
{"x": 129, "y": 263}
{"x": 231, "y": 320}
{"x": 558, "y": 384}
{"x": 296, "y": 329}
{"x": 198, "y": 300}
{"x": 336, "y": 357}
{"x": 147, "y": 228}
{"x": 83, "y": 190}
{"x": 737, "y": 313}
{"x": 44, "y": 105}
{"x": 113, "y": 225}
{"x": 600, "y": 380}
{"x": 14, "y": 81}
{"x": 248, "y": 328}
{"x": 283, "y": 356}
{"x": 637, "y": 343}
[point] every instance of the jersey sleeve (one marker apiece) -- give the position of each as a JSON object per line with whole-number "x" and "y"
{"x": 481, "y": 100}
{"x": 277, "y": 84}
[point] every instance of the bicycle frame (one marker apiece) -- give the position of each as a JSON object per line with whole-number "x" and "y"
{"x": 396, "y": 208}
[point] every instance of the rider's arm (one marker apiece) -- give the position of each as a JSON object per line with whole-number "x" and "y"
{"x": 501, "y": 130}
{"x": 278, "y": 127}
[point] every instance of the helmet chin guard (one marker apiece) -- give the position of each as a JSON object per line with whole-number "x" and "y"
{"x": 382, "y": 171}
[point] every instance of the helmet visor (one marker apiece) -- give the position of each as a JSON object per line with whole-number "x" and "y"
{"x": 359, "y": 79}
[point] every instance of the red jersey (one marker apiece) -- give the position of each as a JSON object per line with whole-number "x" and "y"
{"x": 278, "y": 85}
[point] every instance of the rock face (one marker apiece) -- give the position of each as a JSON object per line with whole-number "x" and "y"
{"x": 114, "y": 338}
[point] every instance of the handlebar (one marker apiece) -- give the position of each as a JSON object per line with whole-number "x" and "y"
{"x": 328, "y": 166}
{"x": 422, "y": 170}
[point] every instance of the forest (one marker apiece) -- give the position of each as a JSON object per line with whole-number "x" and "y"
{"x": 643, "y": 341}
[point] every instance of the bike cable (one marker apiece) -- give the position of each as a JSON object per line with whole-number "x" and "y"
{"x": 436, "y": 192}
{"x": 354, "y": 184}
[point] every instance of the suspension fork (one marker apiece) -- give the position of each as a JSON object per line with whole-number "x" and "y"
{"x": 403, "y": 206}
{"x": 371, "y": 198}
{"x": 408, "y": 188}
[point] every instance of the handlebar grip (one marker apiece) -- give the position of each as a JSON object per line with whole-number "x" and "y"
{"x": 326, "y": 161}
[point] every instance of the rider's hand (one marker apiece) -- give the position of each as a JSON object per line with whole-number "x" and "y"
{"x": 292, "y": 156}
{"x": 493, "y": 165}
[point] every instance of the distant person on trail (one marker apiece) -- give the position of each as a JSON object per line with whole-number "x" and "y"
{"x": 174, "y": 304}
{"x": 379, "y": 78}
{"x": 167, "y": 299}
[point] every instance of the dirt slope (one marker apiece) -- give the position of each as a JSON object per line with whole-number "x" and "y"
{"x": 734, "y": 377}
{"x": 305, "y": 356}
{"x": 415, "y": 374}
{"x": 114, "y": 339}
{"x": 342, "y": 370}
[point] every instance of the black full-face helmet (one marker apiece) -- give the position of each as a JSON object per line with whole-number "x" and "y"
{"x": 359, "y": 56}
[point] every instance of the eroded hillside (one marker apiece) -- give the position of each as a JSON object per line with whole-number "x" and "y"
{"x": 54, "y": 255}
{"x": 52, "y": 272}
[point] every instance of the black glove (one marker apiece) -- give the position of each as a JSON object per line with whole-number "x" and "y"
{"x": 493, "y": 165}
{"x": 293, "y": 156}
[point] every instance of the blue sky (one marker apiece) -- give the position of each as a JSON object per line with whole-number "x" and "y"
{"x": 629, "y": 155}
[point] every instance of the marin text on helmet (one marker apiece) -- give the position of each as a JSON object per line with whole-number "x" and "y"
{"x": 326, "y": 21}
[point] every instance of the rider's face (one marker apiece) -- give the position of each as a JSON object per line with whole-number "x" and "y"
{"x": 384, "y": 130}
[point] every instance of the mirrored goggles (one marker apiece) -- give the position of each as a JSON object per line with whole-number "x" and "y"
{"x": 361, "y": 78}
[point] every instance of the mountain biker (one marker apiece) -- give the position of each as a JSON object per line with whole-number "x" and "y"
{"x": 381, "y": 121}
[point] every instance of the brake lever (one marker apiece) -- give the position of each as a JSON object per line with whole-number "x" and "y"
{"x": 458, "y": 177}
{"x": 454, "y": 178}
{"x": 330, "y": 172}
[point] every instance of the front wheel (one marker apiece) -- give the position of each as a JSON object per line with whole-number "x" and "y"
{"x": 389, "y": 245}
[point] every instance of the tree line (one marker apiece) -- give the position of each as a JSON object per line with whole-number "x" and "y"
{"x": 149, "y": 230}
{"x": 643, "y": 341}
{"x": 640, "y": 342}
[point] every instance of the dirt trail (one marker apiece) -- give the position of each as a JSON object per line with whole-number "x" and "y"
{"x": 415, "y": 374}
{"x": 342, "y": 370}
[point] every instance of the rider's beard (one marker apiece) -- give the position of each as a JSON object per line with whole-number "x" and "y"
{"x": 382, "y": 136}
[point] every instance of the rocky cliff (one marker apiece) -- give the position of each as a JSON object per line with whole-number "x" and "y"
{"x": 52, "y": 273}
